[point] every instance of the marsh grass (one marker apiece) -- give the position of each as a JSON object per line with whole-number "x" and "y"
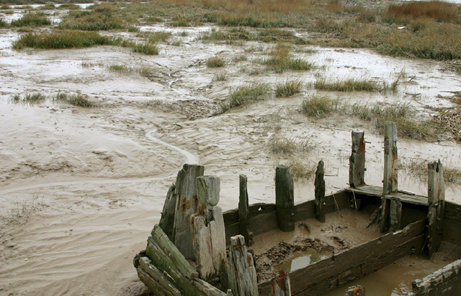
{"x": 31, "y": 20}
{"x": 418, "y": 168}
{"x": 30, "y": 99}
{"x": 146, "y": 48}
{"x": 438, "y": 10}
{"x": 220, "y": 77}
{"x": 289, "y": 88}
{"x": 158, "y": 36}
{"x": 120, "y": 69}
{"x": 239, "y": 58}
{"x": 244, "y": 95}
{"x": 77, "y": 99}
{"x": 5, "y": 6}
{"x": 300, "y": 170}
{"x": 69, "y": 6}
{"x": 348, "y": 85}
{"x": 103, "y": 16}
{"x": 282, "y": 60}
{"x": 319, "y": 106}
{"x": 282, "y": 145}
{"x": 215, "y": 62}
{"x": 3, "y": 24}
{"x": 64, "y": 39}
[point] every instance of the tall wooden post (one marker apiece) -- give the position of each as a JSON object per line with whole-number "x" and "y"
{"x": 357, "y": 160}
{"x": 242, "y": 272}
{"x": 187, "y": 204}
{"x": 436, "y": 199}
{"x": 244, "y": 219}
{"x": 208, "y": 232}
{"x": 281, "y": 286}
{"x": 320, "y": 192}
{"x": 284, "y": 199}
{"x": 390, "y": 181}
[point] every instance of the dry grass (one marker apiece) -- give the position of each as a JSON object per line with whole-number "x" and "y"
{"x": 289, "y": 88}
{"x": 319, "y": 106}
{"x": 244, "y": 95}
{"x": 282, "y": 60}
{"x": 438, "y": 10}
{"x": 300, "y": 170}
{"x": 215, "y": 62}
{"x": 283, "y": 145}
{"x": 418, "y": 168}
{"x": 348, "y": 85}
{"x": 77, "y": 99}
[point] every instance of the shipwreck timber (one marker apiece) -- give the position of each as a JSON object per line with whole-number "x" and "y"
{"x": 196, "y": 249}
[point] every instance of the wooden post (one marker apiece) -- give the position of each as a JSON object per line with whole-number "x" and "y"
{"x": 390, "y": 181}
{"x": 320, "y": 192}
{"x": 284, "y": 199}
{"x": 395, "y": 214}
{"x": 357, "y": 160}
{"x": 242, "y": 273}
{"x": 281, "y": 286}
{"x": 244, "y": 219}
{"x": 436, "y": 199}
{"x": 187, "y": 204}
{"x": 169, "y": 207}
{"x": 355, "y": 291}
{"x": 209, "y": 235}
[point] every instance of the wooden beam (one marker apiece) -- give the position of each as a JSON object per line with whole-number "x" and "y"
{"x": 187, "y": 205}
{"x": 357, "y": 160}
{"x": 284, "y": 199}
{"x": 436, "y": 199}
{"x": 243, "y": 211}
{"x": 242, "y": 272}
{"x": 320, "y": 192}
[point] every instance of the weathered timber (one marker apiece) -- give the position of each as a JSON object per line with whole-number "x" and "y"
{"x": 436, "y": 199}
{"x": 390, "y": 181}
{"x": 284, "y": 199}
{"x": 187, "y": 205}
{"x": 172, "y": 252}
{"x": 208, "y": 188}
{"x": 208, "y": 289}
{"x": 395, "y": 214}
{"x": 157, "y": 278}
{"x": 243, "y": 211}
{"x": 357, "y": 160}
{"x": 169, "y": 207}
{"x": 452, "y": 223}
{"x": 320, "y": 192}
{"x": 355, "y": 263}
{"x": 281, "y": 286}
{"x": 444, "y": 281}
{"x": 164, "y": 262}
{"x": 241, "y": 269}
{"x": 355, "y": 291}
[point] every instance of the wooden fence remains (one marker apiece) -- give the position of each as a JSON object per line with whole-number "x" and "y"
{"x": 196, "y": 249}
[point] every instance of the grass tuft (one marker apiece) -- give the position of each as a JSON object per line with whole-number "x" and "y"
{"x": 28, "y": 98}
{"x": 31, "y": 20}
{"x": 220, "y": 77}
{"x": 244, "y": 95}
{"x": 288, "y": 88}
{"x": 78, "y": 99}
{"x": 215, "y": 62}
{"x": 319, "y": 106}
{"x": 282, "y": 145}
{"x": 438, "y": 10}
{"x": 282, "y": 60}
{"x": 348, "y": 85}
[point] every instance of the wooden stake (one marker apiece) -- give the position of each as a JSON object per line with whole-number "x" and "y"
{"x": 281, "y": 286}
{"x": 357, "y": 160}
{"x": 320, "y": 192}
{"x": 187, "y": 204}
{"x": 284, "y": 199}
{"x": 436, "y": 200}
{"x": 242, "y": 273}
{"x": 244, "y": 219}
{"x": 390, "y": 182}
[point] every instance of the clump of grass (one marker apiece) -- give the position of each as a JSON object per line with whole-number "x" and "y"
{"x": 301, "y": 170}
{"x": 220, "y": 77}
{"x": 319, "y": 106}
{"x": 48, "y": 6}
{"x": 78, "y": 99}
{"x": 3, "y": 24}
{"x": 418, "y": 168}
{"x": 239, "y": 58}
{"x": 159, "y": 36}
{"x": 64, "y": 39}
{"x": 438, "y": 10}
{"x": 283, "y": 145}
{"x": 100, "y": 17}
{"x": 5, "y": 6}
{"x": 146, "y": 48}
{"x": 451, "y": 120}
{"x": 348, "y": 85}
{"x": 244, "y": 95}
{"x": 31, "y": 20}
{"x": 28, "y": 98}
{"x": 282, "y": 60}
{"x": 215, "y": 62}
{"x": 68, "y": 6}
{"x": 133, "y": 29}
{"x": 288, "y": 88}
{"x": 119, "y": 68}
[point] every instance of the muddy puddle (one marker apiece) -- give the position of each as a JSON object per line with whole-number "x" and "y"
{"x": 81, "y": 188}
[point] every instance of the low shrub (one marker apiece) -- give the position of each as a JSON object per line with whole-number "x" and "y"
{"x": 215, "y": 62}
{"x": 31, "y": 20}
{"x": 282, "y": 60}
{"x": 244, "y": 95}
{"x": 77, "y": 99}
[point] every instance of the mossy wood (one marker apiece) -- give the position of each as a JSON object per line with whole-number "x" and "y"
{"x": 169, "y": 209}
{"x": 284, "y": 199}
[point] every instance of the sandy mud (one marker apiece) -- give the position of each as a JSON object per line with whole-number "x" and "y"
{"x": 81, "y": 188}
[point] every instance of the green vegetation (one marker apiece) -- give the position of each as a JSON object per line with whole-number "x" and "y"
{"x": 119, "y": 68}
{"x": 282, "y": 60}
{"x": 348, "y": 85}
{"x": 288, "y": 88}
{"x": 78, "y": 99}
{"x": 103, "y": 16}
{"x": 146, "y": 48}
{"x": 3, "y": 24}
{"x": 159, "y": 36}
{"x": 220, "y": 77}
{"x": 264, "y": 35}
{"x": 28, "y": 98}
{"x": 215, "y": 62}
{"x": 244, "y": 95}
{"x": 31, "y": 20}
{"x": 319, "y": 106}
{"x": 64, "y": 39}
{"x": 437, "y": 10}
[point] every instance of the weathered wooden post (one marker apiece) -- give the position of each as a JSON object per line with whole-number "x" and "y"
{"x": 436, "y": 200}
{"x": 241, "y": 269}
{"x": 395, "y": 214}
{"x": 187, "y": 204}
{"x": 284, "y": 199}
{"x": 244, "y": 219}
{"x": 390, "y": 181}
{"x": 320, "y": 192}
{"x": 281, "y": 286}
{"x": 357, "y": 160}
{"x": 169, "y": 208}
{"x": 208, "y": 232}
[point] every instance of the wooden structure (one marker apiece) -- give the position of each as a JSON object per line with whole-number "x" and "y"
{"x": 186, "y": 253}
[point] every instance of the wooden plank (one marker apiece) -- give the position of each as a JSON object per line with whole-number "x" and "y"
{"x": 445, "y": 281}
{"x": 169, "y": 209}
{"x": 281, "y": 285}
{"x": 320, "y": 192}
{"x": 231, "y": 216}
{"x": 263, "y": 223}
{"x": 305, "y": 210}
{"x": 244, "y": 211}
{"x": 452, "y": 211}
{"x": 154, "y": 286}
{"x": 242, "y": 272}
{"x": 390, "y": 181}
{"x": 157, "y": 276}
{"x": 284, "y": 198}
{"x": 186, "y": 206}
{"x": 207, "y": 289}
{"x": 395, "y": 214}
{"x": 357, "y": 160}
{"x": 436, "y": 199}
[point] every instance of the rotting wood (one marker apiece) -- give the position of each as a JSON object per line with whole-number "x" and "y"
{"x": 284, "y": 198}
{"x": 187, "y": 205}
{"x": 357, "y": 160}
{"x": 320, "y": 192}
{"x": 436, "y": 199}
{"x": 355, "y": 291}
{"x": 167, "y": 219}
{"x": 208, "y": 289}
{"x": 243, "y": 211}
{"x": 444, "y": 281}
{"x": 242, "y": 272}
{"x": 395, "y": 214}
{"x": 281, "y": 286}
{"x": 158, "y": 277}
